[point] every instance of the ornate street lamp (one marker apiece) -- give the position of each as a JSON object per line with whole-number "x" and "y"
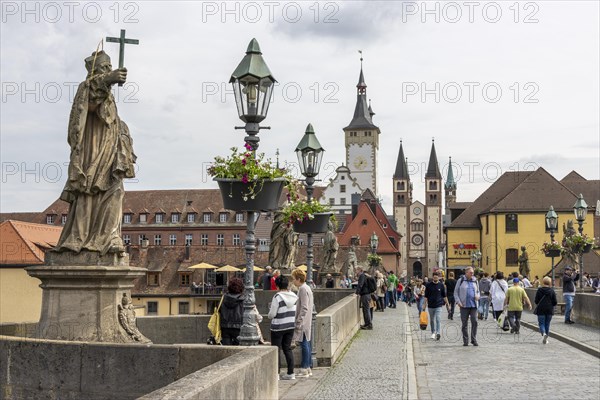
{"x": 310, "y": 153}
{"x": 580, "y": 210}
{"x": 475, "y": 258}
{"x": 552, "y": 224}
{"x": 253, "y": 87}
{"x": 374, "y": 243}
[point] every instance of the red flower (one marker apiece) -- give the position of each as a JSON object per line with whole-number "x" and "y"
{"x": 245, "y": 178}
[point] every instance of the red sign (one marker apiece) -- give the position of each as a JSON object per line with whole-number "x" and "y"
{"x": 462, "y": 246}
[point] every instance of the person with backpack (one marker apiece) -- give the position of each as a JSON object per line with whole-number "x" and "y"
{"x": 467, "y": 295}
{"x": 364, "y": 288}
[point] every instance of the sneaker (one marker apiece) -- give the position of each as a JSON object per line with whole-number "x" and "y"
{"x": 288, "y": 377}
{"x": 433, "y": 335}
{"x": 545, "y": 341}
{"x": 438, "y": 336}
{"x": 303, "y": 373}
{"x": 310, "y": 372}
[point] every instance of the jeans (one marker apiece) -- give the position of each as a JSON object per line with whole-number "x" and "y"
{"x": 452, "y": 303}
{"x": 306, "y": 353}
{"x": 514, "y": 319}
{"x": 420, "y": 304}
{"x": 484, "y": 306}
{"x": 381, "y": 303}
{"x": 568, "y": 306}
{"x": 391, "y": 298}
{"x": 544, "y": 323}
{"x": 435, "y": 315}
{"x": 465, "y": 313}
{"x": 283, "y": 340}
{"x": 365, "y": 303}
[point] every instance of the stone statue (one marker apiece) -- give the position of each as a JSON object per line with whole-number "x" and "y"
{"x": 524, "y": 263}
{"x": 351, "y": 262}
{"x": 101, "y": 157}
{"x": 569, "y": 229}
{"x": 127, "y": 319}
{"x": 330, "y": 249}
{"x": 283, "y": 247}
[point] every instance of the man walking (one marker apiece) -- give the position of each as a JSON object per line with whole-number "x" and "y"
{"x": 435, "y": 297}
{"x": 391, "y": 289}
{"x": 362, "y": 290}
{"x": 515, "y": 297}
{"x": 484, "y": 302}
{"x": 467, "y": 295}
{"x": 569, "y": 292}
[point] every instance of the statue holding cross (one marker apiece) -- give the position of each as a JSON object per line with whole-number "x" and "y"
{"x": 101, "y": 157}
{"x": 122, "y": 41}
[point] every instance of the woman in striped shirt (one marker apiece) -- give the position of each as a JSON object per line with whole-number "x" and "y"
{"x": 283, "y": 314}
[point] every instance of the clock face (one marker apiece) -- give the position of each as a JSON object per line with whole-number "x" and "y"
{"x": 417, "y": 240}
{"x": 360, "y": 163}
{"x": 417, "y": 210}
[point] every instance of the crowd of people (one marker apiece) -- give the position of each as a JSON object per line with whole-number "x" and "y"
{"x": 477, "y": 298}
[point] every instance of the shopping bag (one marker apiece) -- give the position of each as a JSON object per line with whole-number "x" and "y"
{"x": 503, "y": 321}
{"x": 214, "y": 324}
{"x": 423, "y": 320}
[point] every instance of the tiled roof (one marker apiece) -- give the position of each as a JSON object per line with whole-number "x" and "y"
{"x": 23, "y": 216}
{"x": 572, "y": 176}
{"x": 25, "y": 243}
{"x": 460, "y": 205}
{"x": 589, "y": 189}
{"x": 537, "y": 192}
{"x": 499, "y": 189}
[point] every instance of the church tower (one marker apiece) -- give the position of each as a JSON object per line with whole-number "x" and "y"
{"x": 362, "y": 139}
{"x": 449, "y": 188}
{"x": 402, "y": 191}
{"x": 433, "y": 210}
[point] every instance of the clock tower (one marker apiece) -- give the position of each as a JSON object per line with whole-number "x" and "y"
{"x": 362, "y": 140}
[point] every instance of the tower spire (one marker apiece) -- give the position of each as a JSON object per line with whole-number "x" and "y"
{"x": 450, "y": 182}
{"x": 363, "y": 114}
{"x": 401, "y": 166}
{"x": 433, "y": 169}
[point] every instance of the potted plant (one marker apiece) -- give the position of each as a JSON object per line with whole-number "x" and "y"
{"x": 374, "y": 260}
{"x": 247, "y": 181}
{"x": 552, "y": 249}
{"x": 578, "y": 243}
{"x": 305, "y": 216}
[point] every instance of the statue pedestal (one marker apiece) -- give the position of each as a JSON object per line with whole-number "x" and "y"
{"x": 82, "y": 302}
{"x": 336, "y": 278}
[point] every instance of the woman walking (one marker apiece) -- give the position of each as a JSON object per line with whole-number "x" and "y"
{"x": 282, "y": 314}
{"x": 419, "y": 294}
{"x": 303, "y": 321}
{"x": 498, "y": 294}
{"x": 545, "y": 300}
{"x": 450, "y": 286}
{"x": 380, "y": 292}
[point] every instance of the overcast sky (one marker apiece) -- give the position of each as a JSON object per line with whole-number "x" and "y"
{"x": 500, "y": 86}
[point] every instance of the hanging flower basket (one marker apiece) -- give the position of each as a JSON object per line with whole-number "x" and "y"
{"x": 553, "y": 253}
{"x": 587, "y": 248}
{"x": 264, "y": 195}
{"x": 318, "y": 224}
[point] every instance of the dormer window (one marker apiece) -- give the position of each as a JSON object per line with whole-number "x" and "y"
{"x": 239, "y": 217}
{"x": 127, "y": 218}
{"x": 160, "y": 217}
{"x": 223, "y": 217}
{"x": 175, "y": 217}
{"x": 143, "y": 218}
{"x": 206, "y": 217}
{"x": 191, "y": 217}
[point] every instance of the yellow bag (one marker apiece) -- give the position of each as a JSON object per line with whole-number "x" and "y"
{"x": 214, "y": 324}
{"x": 423, "y": 320}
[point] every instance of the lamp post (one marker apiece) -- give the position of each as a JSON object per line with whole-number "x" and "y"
{"x": 252, "y": 87}
{"x": 310, "y": 153}
{"x": 580, "y": 210}
{"x": 552, "y": 224}
{"x": 374, "y": 243}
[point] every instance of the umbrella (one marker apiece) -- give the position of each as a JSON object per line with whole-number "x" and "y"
{"x": 228, "y": 268}
{"x": 203, "y": 266}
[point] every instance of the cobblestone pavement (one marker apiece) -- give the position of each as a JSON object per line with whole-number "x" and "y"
{"x": 585, "y": 334}
{"x": 503, "y": 366}
{"x": 374, "y": 365}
